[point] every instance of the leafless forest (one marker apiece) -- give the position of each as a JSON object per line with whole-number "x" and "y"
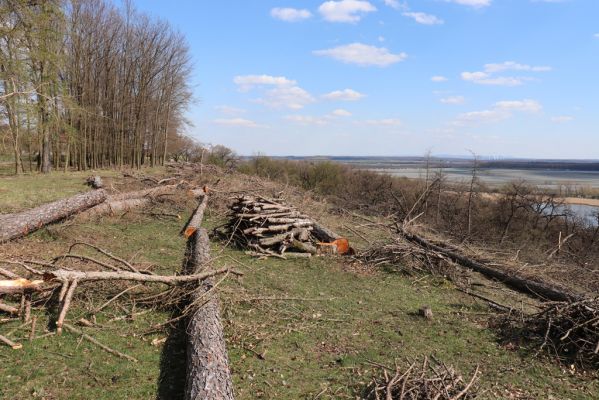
{"x": 87, "y": 85}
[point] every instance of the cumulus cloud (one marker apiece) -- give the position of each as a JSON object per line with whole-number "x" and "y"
{"x": 345, "y": 10}
{"x": 384, "y": 122}
{"x": 423, "y": 18}
{"x": 290, "y": 14}
{"x": 344, "y": 95}
{"x": 453, "y": 100}
{"x": 438, "y": 78}
{"x": 293, "y": 97}
{"x": 393, "y": 4}
{"x": 307, "y": 120}
{"x": 340, "y": 112}
{"x": 500, "y": 111}
{"x": 560, "y": 119}
{"x": 526, "y": 105}
{"x": 472, "y": 3}
{"x": 247, "y": 82}
{"x": 514, "y": 66}
{"x": 320, "y": 120}
{"x": 489, "y": 74}
{"x": 236, "y": 122}
{"x": 230, "y": 110}
{"x": 363, "y": 55}
{"x": 284, "y": 93}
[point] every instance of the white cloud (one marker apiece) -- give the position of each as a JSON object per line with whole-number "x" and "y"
{"x": 393, "y": 4}
{"x": 293, "y": 97}
{"x": 472, "y": 3}
{"x": 228, "y": 110}
{"x": 345, "y": 10}
{"x": 453, "y": 100}
{"x": 290, "y": 14}
{"x": 362, "y": 54}
{"x": 596, "y": 35}
{"x": 438, "y": 78}
{"x": 344, "y": 95}
{"x": 384, "y": 122}
{"x": 488, "y": 75}
{"x": 285, "y": 94}
{"x": 501, "y": 110}
{"x": 340, "y": 112}
{"x": 484, "y": 116}
{"x": 526, "y": 105}
{"x": 482, "y": 78}
{"x": 237, "y": 122}
{"x": 423, "y": 18}
{"x": 560, "y": 119}
{"x": 247, "y": 82}
{"x": 381, "y": 38}
{"x": 307, "y": 120}
{"x": 514, "y": 66}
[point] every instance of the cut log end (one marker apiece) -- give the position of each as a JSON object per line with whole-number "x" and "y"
{"x": 189, "y": 232}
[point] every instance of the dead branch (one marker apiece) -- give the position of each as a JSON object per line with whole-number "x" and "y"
{"x": 97, "y": 343}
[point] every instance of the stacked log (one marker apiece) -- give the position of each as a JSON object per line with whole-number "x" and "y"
{"x": 268, "y": 227}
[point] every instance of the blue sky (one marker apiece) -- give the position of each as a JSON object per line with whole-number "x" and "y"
{"x": 389, "y": 77}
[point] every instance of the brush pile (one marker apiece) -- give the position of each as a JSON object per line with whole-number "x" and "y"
{"x": 406, "y": 255}
{"x": 422, "y": 381}
{"x": 271, "y": 228}
{"x": 568, "y": 330}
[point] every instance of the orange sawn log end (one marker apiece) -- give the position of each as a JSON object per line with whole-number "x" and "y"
{"x": 189, "y": 231}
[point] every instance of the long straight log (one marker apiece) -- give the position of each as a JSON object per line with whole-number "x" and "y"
{"x": 17, "y": 225}
{"x": 88, "y": 276}
{"x": 208, "y": 374}
{"x": 123, "y": 202}
{"x": 522, "y": 284}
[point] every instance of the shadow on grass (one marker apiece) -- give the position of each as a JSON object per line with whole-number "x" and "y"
{"x": 171, "y": 382}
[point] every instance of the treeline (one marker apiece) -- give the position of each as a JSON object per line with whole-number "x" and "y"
{"x": 84, "y": 84}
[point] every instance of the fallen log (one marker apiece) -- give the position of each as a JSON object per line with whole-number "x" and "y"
{"x": 208, "y": 374}
{"x": 19, "y": 286}
{"x": 17, "y": 225}
{"x": 537, "y": 289}
{"x": 124, "y": 202}
{"x": 87, "y": 276}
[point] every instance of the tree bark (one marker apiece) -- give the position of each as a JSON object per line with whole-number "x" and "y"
{"x": 208, "y": 374}
{"x": 21, "y": 224}
{"x": 126, "y": 201}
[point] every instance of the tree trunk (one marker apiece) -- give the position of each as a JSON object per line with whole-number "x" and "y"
{"x": 208, "y": 374}
{"x": 537, "y": 289}
{"x": 20, "y": 224}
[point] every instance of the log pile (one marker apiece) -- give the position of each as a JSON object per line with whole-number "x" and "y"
{"x": 422, "y": 381}
{"x": 567, "y": 330}
{"x": 268, "y": 227}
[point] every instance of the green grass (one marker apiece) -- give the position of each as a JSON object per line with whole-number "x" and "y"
{"x": 30, "y": 190}
{"x": 320, "y": 343}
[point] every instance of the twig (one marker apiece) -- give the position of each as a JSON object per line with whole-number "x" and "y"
{"x": 97, "y": 343}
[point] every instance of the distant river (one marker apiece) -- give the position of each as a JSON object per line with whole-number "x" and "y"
{"x": 588, "y": 213}
{"x": 495, "y": 177}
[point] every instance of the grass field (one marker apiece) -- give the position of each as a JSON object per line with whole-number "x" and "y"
{"x": 331, "y": 319}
